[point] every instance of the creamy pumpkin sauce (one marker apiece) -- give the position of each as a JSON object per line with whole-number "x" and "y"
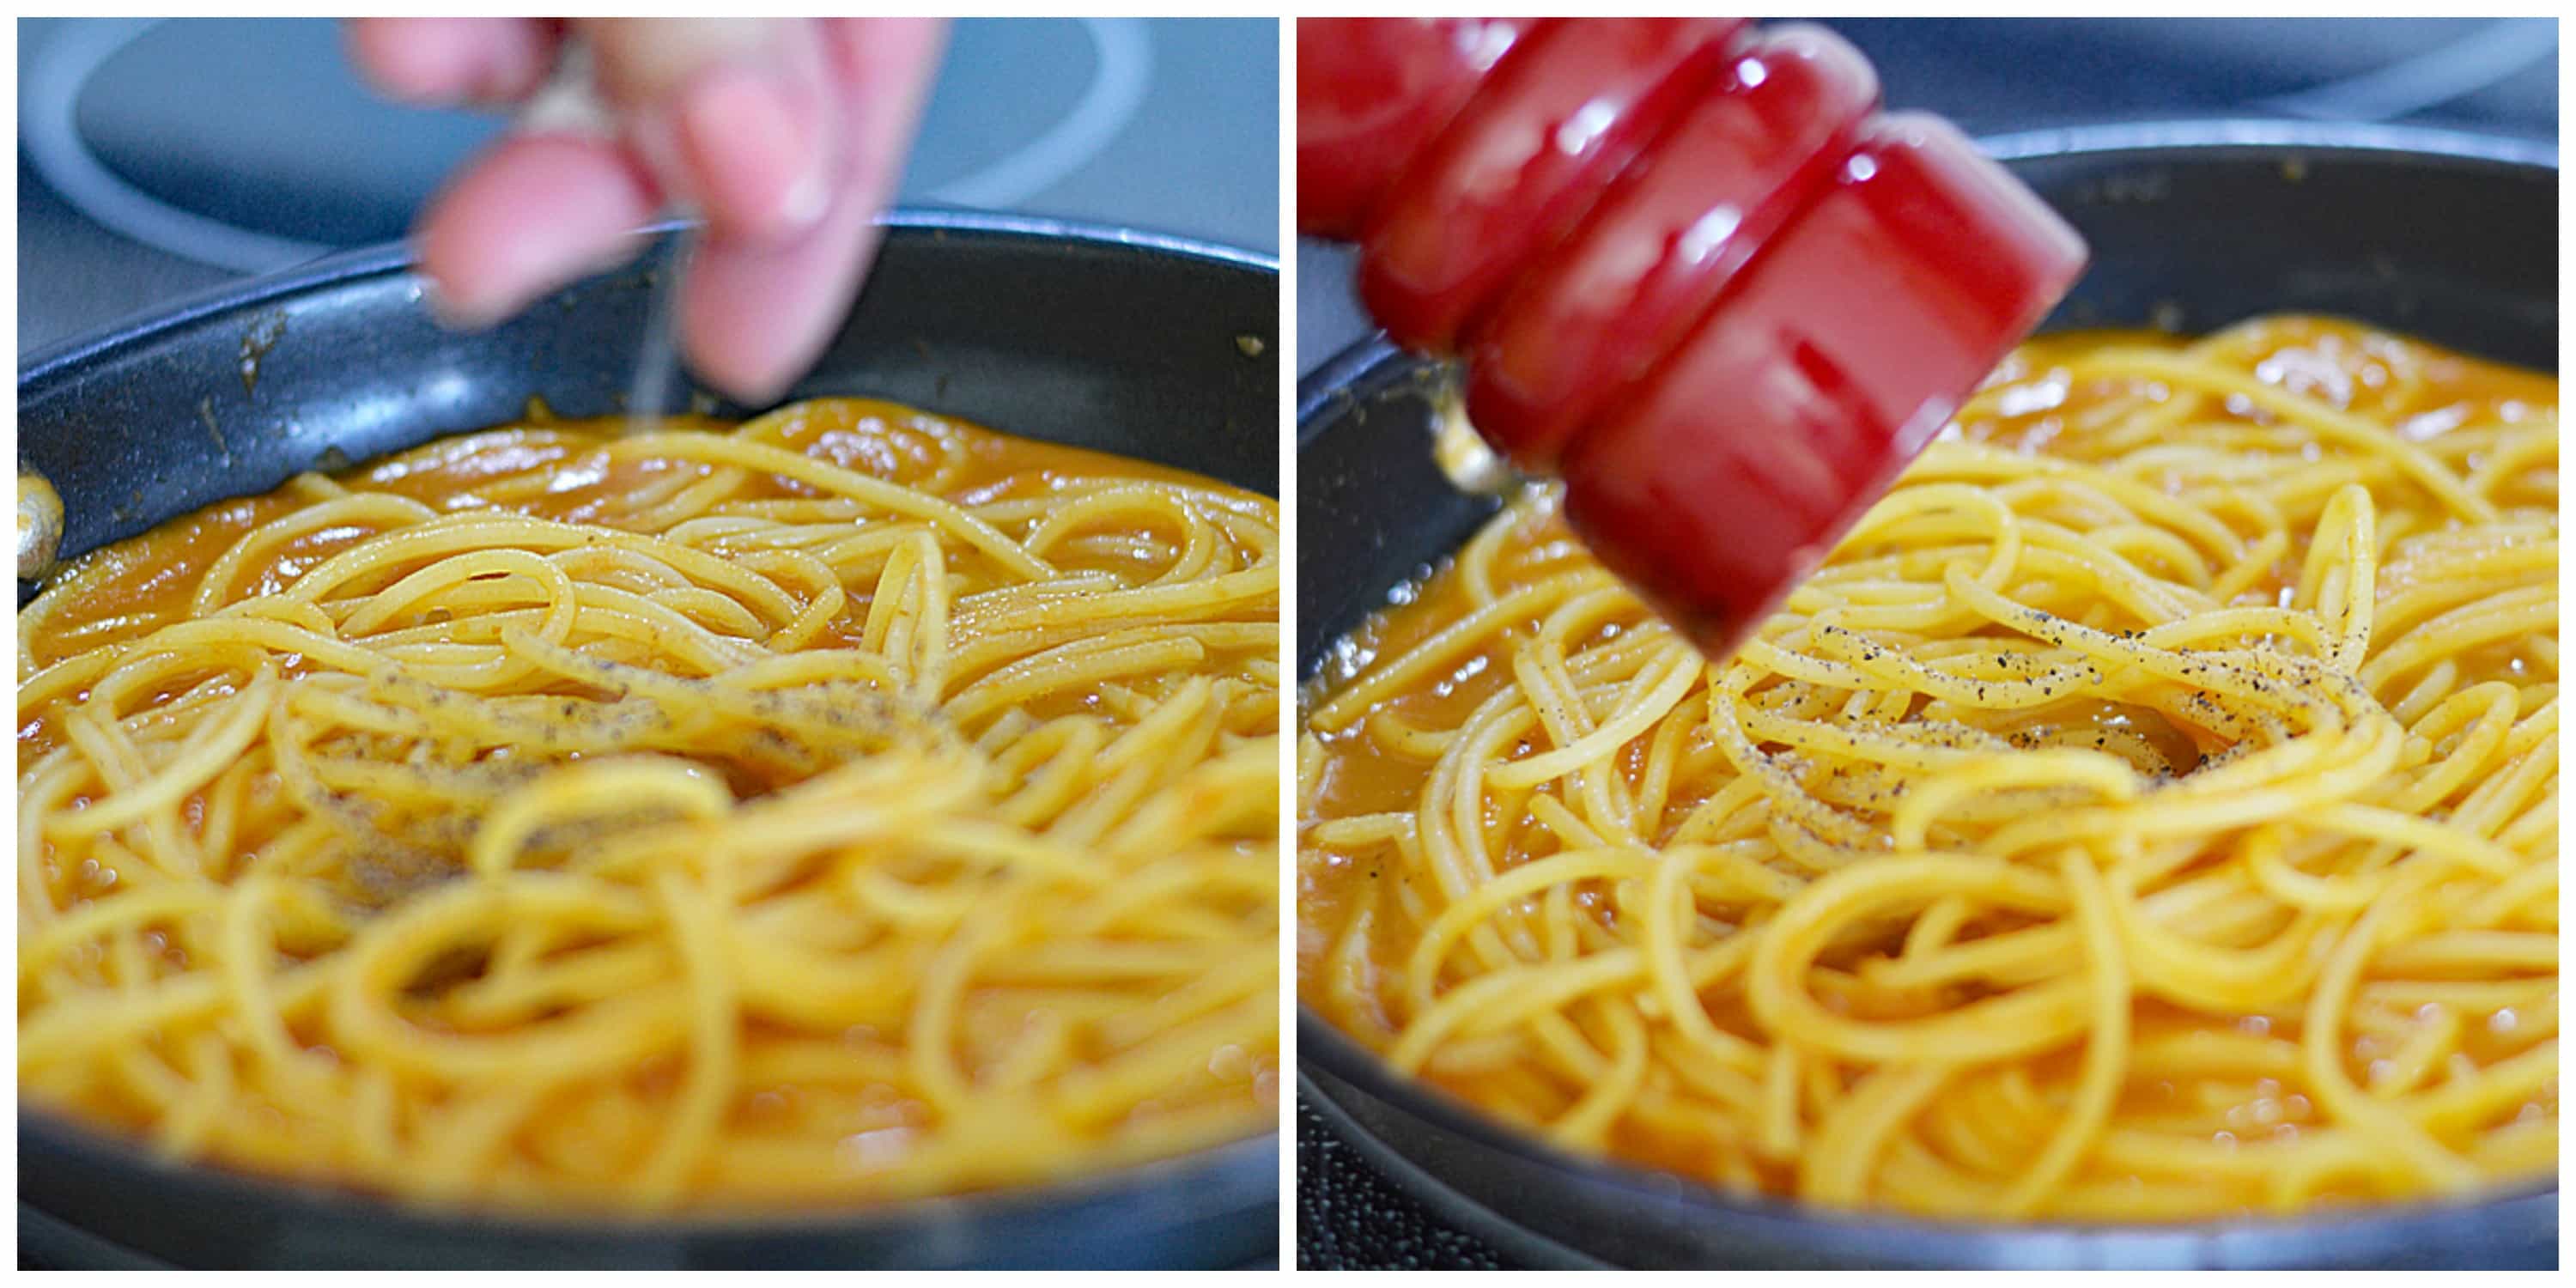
{"x": 1059, "y": 958}
{"x": 1367, "y": 890}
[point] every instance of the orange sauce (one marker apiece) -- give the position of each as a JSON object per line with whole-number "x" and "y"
{"x": 553, "y": 470}
{"x": 2422, "y": 390}
{"x": 135, "y": 586}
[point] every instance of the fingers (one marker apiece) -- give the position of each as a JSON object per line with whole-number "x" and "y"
{"x": 758, "y": 311}
{"x": 754, "y": 316}
{"x": 532, "y": 214}
{"x": 736, "y": 117}
{"x": 443, "y": 62}
{"x": 755, "y": 153}
{"x": 643, "y": 61}
{"x": 789, "y": 145}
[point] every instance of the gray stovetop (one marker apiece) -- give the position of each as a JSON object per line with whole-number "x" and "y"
{"x": 160, "y": 157}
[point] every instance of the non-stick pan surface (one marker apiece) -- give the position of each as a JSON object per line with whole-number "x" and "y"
{"x": 1128, "y": 342}
{"x": 2192, "y": 226}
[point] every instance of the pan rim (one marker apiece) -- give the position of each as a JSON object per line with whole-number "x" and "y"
{"x": 2222, "y": 133}
{"x": 55, "y": 361}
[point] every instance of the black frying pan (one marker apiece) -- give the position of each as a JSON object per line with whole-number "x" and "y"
{"x": 1128, "y": 342}
{"x": 2192, "y": 226}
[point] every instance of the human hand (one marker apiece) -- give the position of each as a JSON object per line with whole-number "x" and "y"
{"x": 786, "y": 135}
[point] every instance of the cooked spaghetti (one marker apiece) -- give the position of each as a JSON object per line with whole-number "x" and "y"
{"x": 852, "y": 805}
{"x": 2148, "y": 812}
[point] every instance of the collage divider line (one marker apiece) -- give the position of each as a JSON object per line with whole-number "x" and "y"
{"x": 1288, "y": 526}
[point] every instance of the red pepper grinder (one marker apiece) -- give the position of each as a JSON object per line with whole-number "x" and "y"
{"x": 1687, "y": 265}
